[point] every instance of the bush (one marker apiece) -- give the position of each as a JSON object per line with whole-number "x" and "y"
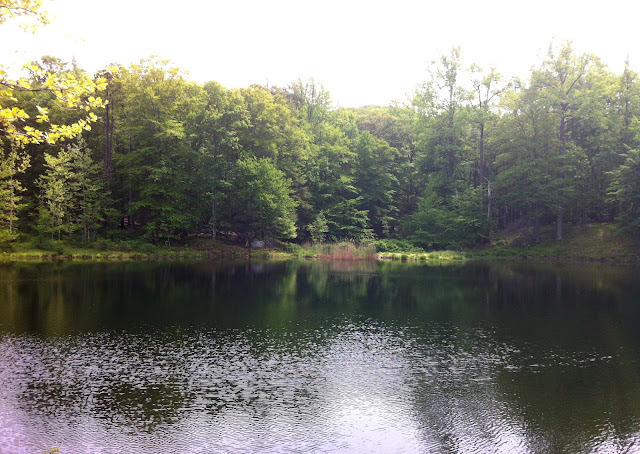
{"x": 292, "y": 248}
{"x": 146, "y": 248}
{"x": 345, "y": 250}
{"x": 400, "y": 246}
{"x": 103, "y": 245}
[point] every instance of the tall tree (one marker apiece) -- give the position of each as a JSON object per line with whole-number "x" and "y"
{"x": 447, "y": 162}
{"x": 12, "y": 163}
{"x": 154, "y": 165}
{"x": 262, "y": 205}
{"x": 309, "y": 100}
{"x": 274, "y": 132}
{"x": 375, "y": 181}
{"x": 559, "y": 81}
{"x": 625, "y": 190}
{"x": 487, "y": 88}
{"x": 331, "y": 179}
{"x": 215, "y": 129}
{"x": 396, "y": 126}
{"x": 73, "y": 192}
{"x": 523, "y": 166}
{"x": 440, "y": 104}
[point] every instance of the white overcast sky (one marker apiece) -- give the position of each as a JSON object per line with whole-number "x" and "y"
{"x": 362, "y": 51}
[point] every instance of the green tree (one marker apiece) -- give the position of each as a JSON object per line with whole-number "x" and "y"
{"x": 487, "y": 88}
{"x": 90, "y": 192}
{"x": 396, "y": 126}
{"x": 443, "y": 126}
{"x": 58, "y": 191}
{"x": 12, "y": 163}
{"x": 375, "y": 182}
{"x": 331, "y": 178}
{"x": 309, "y": 101}
{"x": 260, "y": 203}
{"x": 274, "y": 132}
{"x": 155, "y": 168}
{"x": 597, "y": 130}
{"x": 523, "y": 166}
{"x": 319, "y": 228}
{"x": 447, "y": 162}
{"x": 215, "y": 129}
{"x": 625, "y": 190}
{"x": 560, "y": 81}
{"x": 73, "y": 192}
{"x": 439, "y": 225}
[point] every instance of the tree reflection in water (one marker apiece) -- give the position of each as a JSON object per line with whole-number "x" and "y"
{"x": 319, "y": 356}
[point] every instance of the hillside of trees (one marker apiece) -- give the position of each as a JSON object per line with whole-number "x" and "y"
{"x": 162, "y": 158}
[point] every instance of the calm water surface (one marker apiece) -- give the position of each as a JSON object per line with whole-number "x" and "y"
{"x": 319, "y": 357}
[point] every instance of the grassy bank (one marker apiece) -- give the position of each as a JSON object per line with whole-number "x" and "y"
{"x": 332, "y": 251}
{"x": 581, "y": 243}
{"x": 587, "y": 243}
{"x": 349, "y": 251}
{"x": 127, "y": 250}
{"x": 438, "y": 256}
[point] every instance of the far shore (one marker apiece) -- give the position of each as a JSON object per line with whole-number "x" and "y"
{"x": 598, "y": 243}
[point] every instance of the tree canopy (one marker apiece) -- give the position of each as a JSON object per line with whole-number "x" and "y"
{"x": 167, "y": 158}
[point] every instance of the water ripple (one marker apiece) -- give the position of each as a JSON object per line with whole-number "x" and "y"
{"x": 359, "y": 386}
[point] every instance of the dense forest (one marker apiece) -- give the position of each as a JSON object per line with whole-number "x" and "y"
{"x": 150, "y": 154}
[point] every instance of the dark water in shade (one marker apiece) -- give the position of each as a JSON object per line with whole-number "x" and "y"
{"x": 319, "y": 357}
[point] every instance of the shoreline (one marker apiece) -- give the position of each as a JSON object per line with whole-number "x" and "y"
{"x": 242, "y": 254}
{"x": 595, "y": 243}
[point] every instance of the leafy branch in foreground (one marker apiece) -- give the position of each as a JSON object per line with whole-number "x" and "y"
{"x": 68, "y": 90}
{"x": 10, "y": 9}
{"x": 72, "y": 91}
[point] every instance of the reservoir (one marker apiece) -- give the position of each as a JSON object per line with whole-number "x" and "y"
{"x": 335, "y": 357}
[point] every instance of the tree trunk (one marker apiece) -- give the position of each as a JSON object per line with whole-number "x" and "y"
{"x": 11, "y": 209}
{"x": 481, "y": 165}
{"x": 489, "y": 196}
{"x": 130, "y": 202}
{"x": 559, "y": 221}
{"x": 213, "y": 219}
{"x": 563, "y": 139}
{"x": 108, "y": 145}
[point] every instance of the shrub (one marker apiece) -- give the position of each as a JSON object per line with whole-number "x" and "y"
{"x": 389, "y": 245}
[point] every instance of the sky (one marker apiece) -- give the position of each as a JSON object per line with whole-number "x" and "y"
{"x": 362, "y": 51}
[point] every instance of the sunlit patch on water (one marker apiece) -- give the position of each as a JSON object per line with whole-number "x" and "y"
{"x": 356, "y": 387}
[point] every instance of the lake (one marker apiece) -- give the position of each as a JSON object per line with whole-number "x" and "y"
{"x": 319, "y": 357}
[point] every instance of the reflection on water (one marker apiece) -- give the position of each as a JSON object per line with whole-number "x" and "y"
{"x": 319, "y": 357}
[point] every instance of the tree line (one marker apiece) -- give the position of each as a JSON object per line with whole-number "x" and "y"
{"x": 162, "y": 157}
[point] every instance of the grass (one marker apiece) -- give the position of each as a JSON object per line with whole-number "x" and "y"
{"x": 125, "y": 250}
{"x": 437, "y": 256}
{"x": 66, "y": 252}
{"x": 219, "y": 248}
{"x": 581, "y": 243}
{"x": 346, "y": 250}
{"x": 590, "y": 243}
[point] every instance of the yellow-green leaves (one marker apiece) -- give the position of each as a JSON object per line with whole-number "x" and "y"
{"x": 69, "y": 91}
{"x": 30, "y": 9}
{"x": 72, "y": 90}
